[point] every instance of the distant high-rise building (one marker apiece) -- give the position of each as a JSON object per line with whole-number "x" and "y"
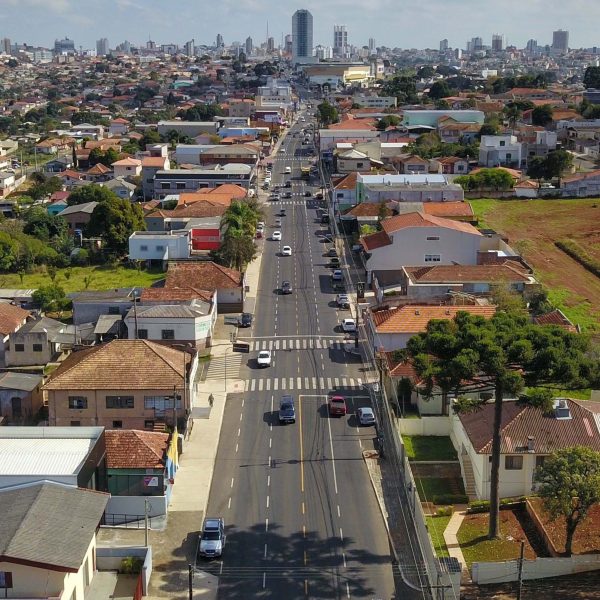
{"x": 444, "y": 45}
{"x": 324, "y": 52}
{"x": 124, "y": 47}
{"x": 532, "y": 46}
{"x": 498, "y": 42}
{"x": 288, "y": 43}
{"x": 220, "y": 42}
{"x": 65, "y": 46}
{"x": 560, "y": 41}
{"x": 102, "y": 48}
{"x": 271, "y": 44}
{"x": 340, "y": 40}
{"x": 5, "y": 46}
{"x": 476, "y": 44}
{"x": 150, "y": 45}
{"x": 249, "y": 46}
{"x": 372, "y": 45}
{"x": 302, "y": 36}
{"x": 190, "y": 48}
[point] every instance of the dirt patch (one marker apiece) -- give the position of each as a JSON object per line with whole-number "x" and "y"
{"x": 587, "y": 535}
{"x": 532, "y": 227}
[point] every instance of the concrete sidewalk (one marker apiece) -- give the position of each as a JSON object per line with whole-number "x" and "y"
{"x": 453, "y": 546}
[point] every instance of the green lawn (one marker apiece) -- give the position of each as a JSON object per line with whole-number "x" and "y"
{"x": 428, "y": 487}
{"x": 77, "y": 279}
{"x": 429, "y": 447}
{"x": 436, "y": 527}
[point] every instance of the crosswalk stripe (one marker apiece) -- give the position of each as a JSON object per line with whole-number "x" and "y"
{"x": 314, "y": 382}
{"x": 329, "y": 385}
{"x": 268, "y": 385}
{"x": 276, "y": 344}
{"x": 321, "y": 383}
{"x": 260, "y": 385}
{"x": 304, "y": 344}
{"x": 275, "y": 384}
{"x": 337, "y": 382}
{"x": 299, "y": 380}
{"x": 253, "y": 385}
{"x": 306, "y": 384}
{"x": 301, "y": 383}
{"x": 283, "y": 344}
{"x": 291, "y": 383}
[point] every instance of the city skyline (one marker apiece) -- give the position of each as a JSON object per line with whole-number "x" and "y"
{"x": 86, "y": 22}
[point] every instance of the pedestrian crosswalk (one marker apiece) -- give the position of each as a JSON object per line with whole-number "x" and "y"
{"x": 285, "y": 384}
{"x": 309, "y": 343}
{"x": 221, "y": 367}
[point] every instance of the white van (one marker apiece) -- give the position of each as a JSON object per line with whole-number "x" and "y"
{"x": 288, "y": 169}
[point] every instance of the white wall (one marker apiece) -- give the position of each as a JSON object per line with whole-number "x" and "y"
{"x": 425, "y": 426}
{"x": 158, "y": 247}
{"x": 134, "y": 505}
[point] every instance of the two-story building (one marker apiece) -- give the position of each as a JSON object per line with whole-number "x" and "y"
{"x": 151, "y": 165}
{"x": 177, "y": 181}
{"x": 500, "y": 150}
{"x": 127, "y": 167}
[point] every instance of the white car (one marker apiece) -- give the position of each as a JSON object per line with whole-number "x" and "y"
{"x": 276, "y": 236}
{"x": 264, "y": 358}
{"x": 349, "y": 325}
{"x": 260, "y": 225}
{"x": 286, "y": 251}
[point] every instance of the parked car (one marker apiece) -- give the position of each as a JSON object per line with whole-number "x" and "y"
{"x": 287, "y": 195}
{"x": 349, "y": 325}
{"x": 287, "y": 412}
{"x": 278, "y": 222}
{"x": 307, "y": 194}
{"x": 286, "y": 287}
{"x": 282, "y": 212}
{"x": 264, "y": 358}
{"x": 336, "y": 406}
{"x": 332, "y": 251}
{"x": 286, "y": 251}
{"x": 365, "y": 416}
{"x": 276, "y": 236}
{"x": 342, "y": 301}
{"x": 212, "y": 538}
{"x": 337, "y": 275}
{"x": 334, "y": 262}
{"x": 245, "y": 320}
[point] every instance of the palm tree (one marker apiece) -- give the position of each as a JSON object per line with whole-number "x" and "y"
{"x": 513, "y": 113}
{"x": 242, "y": 217}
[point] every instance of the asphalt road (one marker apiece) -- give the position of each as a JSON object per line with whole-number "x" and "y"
{"x": 301, "y": 517}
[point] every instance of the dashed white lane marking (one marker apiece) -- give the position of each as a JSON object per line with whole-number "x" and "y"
{"x": 232, "y": 480}
{"x": 229, "y": 503}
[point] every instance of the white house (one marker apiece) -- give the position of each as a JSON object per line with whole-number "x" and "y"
{"x": 127, "y": 167}
{"x": 121, "y": 187}
{"x": 8, "y": 183}
{"x": 185, "y": 323}
{"x": 419, "y": 239}
{"x": 159, "y": 245}
{"x": 500, "y": 150}
{"x": 118, "y": 126}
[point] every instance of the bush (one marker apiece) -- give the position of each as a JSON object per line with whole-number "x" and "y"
{"x": 131, "y": 565}
{"x": 481, "y": 506}
{"x": 450, "y": 499}
{"x": 81, "y": 258}
{"x": 444, "y": 511}
{"x": 577, "y": 253}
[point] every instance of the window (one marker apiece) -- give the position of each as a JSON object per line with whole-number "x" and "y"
{"x": 360, "y": 165}
{"x": 502, "y": 143}
{"x": 142, "y": 334}
{"x": 148, "y": 424}
{"x": 508, "y": 156}
{"x": 161, "y": 403}
{"x": 75, "y": 423}
{"x": 19, "y": 347}
{"x": 433, "y": 238}
{"x": 167, "y": 334}
{"x": 160, "y": 248}
{"x": 539, "y": 461}
{"x": 144, "y": 248}
{"x": 180, "y": 186}
{"x": 38, "y": 347}
{"x": 114, "y": 310}
{"x": 117, "y": 424}
{"x": 119, "y": 401}
{"x": 513, "y": 463}
{"x": 6, "y": 579}
{"x": 78, "y": 402}
{"x": 429, "y": 258}
{"x": 165, "y": 185}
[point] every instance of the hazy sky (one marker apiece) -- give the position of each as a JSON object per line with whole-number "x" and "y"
{"x": 390, "y": 22}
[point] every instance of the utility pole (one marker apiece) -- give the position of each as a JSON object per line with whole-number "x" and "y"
{"x": 146, "y": 522}
{"x": 190, "y": 582}
{"x": 520, "y": 580}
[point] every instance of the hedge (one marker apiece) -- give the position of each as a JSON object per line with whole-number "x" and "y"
{"x": 481, "y": 506}
{"x": 450, "y": 499}
{"x": 577, "y": 253}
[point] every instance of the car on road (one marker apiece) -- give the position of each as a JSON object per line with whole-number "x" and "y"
{"x": 342, "y": 301}
{"x": 212, "y": 538}
{"x": 288, "y": 184}
{"x": 282, "y": 212}
{"x": 331, "y": 252}
{"x": 264, "y": 358}
{"x": 274, "y": 197}
{"x": 245, "y": 320}
{"x": 287, "y": 411}
{"x": 337, "y": 275}
{"x": 307, "y": 194}
{"x": 276, "y": 236}
{"x": 336, "y": 406}
{"x": 365, "y": 416}
{"x": 278, "y": 222}
{"x": 288, "y": 169}
{"x": 260, "y": 225}
{"x": 286, "y": 251}
{"x": 349, "y": 325}
{"x": 286, "y": 287}
{"x": 319, "y": 196}
{"x": 334, "y": 262}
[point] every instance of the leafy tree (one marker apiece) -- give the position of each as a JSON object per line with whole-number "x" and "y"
{"x": 90, "y": 193}
{"x": 591, "y": 111}
{"x": 494, "y": 179}
{"x": 241, "y": 216}
{"x": 488, "y": 129}
{"x": 151, "y": 136}
{"x": 569, "y": 486}
{"x": 105, "y": 157}
{"x": 513, "y": 113}
{"x": 402, "y": 87}
{"x": 542, "y": 115}
{"x": 44, "y": 226}
{"x": 237, "y": 250}
{"x": 388, "y": 121}
{"x": 536, "y": 169}
{"x": 425, "y": 72}
{"x": 557, "y": 162}
{"x": 501, "y": 355}
{"x": 115, "y": 219}
{"x": 51, "y": 298}
{"x": 9, "y": 249}
{"x": 591, "y": 78}
{"x": 439, "y": 89}
{"x": 328, "y": 114}
{"x": 442, "y": 104}
{"x": 87, "y": 117}
{"x": 201, "y": 112}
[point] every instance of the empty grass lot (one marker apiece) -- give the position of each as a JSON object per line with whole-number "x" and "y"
{"x": 76, "y": 279}
{"x": 429, "y": 447}
{"x": 436, "y": 527}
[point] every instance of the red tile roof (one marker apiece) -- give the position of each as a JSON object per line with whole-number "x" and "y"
{"x": 11, "y": 317}
{"x": 419, "y": 219}
{"x": 346, "y": 183}
{"x": 556, "y": 317}
{"x": 448, "y": 209}
{"x": 133, "y": 449}
{"x": 375, "y": 240}
{"x": 176, "y": 294}
{"x": 202, "y": 275}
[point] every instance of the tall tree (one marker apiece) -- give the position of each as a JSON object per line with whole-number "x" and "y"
{"x": 513, "y": 113}
{"x": 90, "y": 193}
{"x": 542, "y": 115}
{"x": 557, "y": 162}
{"x": 501, "y": 355}
{"x": 439, "y": 89}
{"x": 569, "y": 486}
{"x": 328, "y": 113}
{"x": 591, "y": 78}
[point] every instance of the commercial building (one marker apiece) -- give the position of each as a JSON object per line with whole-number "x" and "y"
{"x": 340, "y": 40}
{"x": 560, "y": 41}
{"x": 102, "y": 48}
{"x": 498, "y": 42}
{"x": 302, "y": 37}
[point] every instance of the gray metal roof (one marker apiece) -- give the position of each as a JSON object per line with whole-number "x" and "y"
{"x": 178, "y": 311}
{"x": 19, "y": 381}
{"x": 49, "y": 524}
{"x": 88, "y": 207}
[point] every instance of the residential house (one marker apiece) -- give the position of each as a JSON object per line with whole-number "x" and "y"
{"x": 118, "y": 385}
{"x": 240, "y": 154}
{"x": 127, "y": 167}
{"x": 70, "y": 178}
{"x": 151, "y": 165}
{"x": 43, "y": 557}
{"x": 89, "y": 305}
{"x": 38, "y": 342}
{"x": 406, "y": 188}
{"x": 12, "y": 318}
{"x": 182, "y": 215}
{"x": 343, "y": 192}
{"x": 189, "y": 128}
{"x": 98, "y": 173}
{"x": 581, "y": 185}
{"x": 527, "y": 436}
{"x": 58, "y": 165}
{"x": 453, "y": 165}
{"x": 558, "y": 318}
{"x": 500, "y": 150}
{"x": 451, "y": 132}
{"x": 192, "y": 323}
{"x": 352, "y": 160}
{"x": 151, "y": 246}
{"x": 140, "y": 469}
{"x": 241, "y": 108}
{"x": 78, "y": 216}
{"x": 410, "y": 164}
{"x": 422, "y": 240}
{"x": 87, "y": 130}
{"x": 8, "y": 183}
{"x": 222, "y": 194}
{"x": 121, "y": 187}
{"x": 118, "y": 126}
{"x": 457, "y": 211}
{"x": 527, "y": 189}
{"x": 20, "y": 396}
{"x": 431, "y": 118}
{"x": 228, "y": 284}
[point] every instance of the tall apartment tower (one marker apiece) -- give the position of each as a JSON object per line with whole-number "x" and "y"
{"x": 5, "y": 46}
{"x": 102, "y": 48}
{"x": 249, "y": 46}
{"x": 302, "y": 36}
{"x": 498, "y": 43}
{"x": 271, "y": 44}
{"x": 287, "y": 44}
{"x": 220, "y": 42}
{"x": 560, "y": 41}
{"x": 340, "y": 40}
{"x": 190, "y": 48}
{"x": 443, "y": 45}
{"x": 372, "y": 45}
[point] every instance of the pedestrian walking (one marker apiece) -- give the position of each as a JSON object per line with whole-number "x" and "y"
{"x": 211, "y": 400}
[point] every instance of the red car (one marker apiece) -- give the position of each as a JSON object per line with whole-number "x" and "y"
{"x": 337, "y": 406}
